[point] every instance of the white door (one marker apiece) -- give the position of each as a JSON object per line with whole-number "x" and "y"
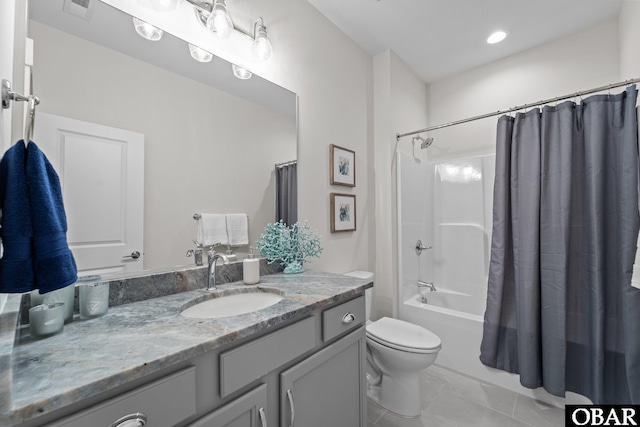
{"x": 7, "y": 14}
{"x": 7, "y": 28}
{"x": 101, "y": 171}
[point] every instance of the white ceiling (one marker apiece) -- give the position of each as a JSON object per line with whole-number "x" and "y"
{"x": 437, "y": 38}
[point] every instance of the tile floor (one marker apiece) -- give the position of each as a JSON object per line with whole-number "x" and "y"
{"x": 451, "y": 399}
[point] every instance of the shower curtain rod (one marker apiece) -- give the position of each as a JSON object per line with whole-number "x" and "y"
{"x": 290, "y": 162}
{"x": 521, "y": 107}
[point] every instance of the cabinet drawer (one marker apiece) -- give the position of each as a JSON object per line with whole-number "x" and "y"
{"x": 165, "y": 402}
{"x": 248, "y": 362}
{"x": 343, "y": 318}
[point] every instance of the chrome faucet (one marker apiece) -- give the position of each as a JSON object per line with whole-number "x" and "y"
{"x": 213, "y": 257}
{"x": 428, "y": 285}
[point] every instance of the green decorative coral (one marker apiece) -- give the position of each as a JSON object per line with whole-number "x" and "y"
{"x": 292, "y": 246}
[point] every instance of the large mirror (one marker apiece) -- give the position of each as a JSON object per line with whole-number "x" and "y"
{"x": 211, "y": 140}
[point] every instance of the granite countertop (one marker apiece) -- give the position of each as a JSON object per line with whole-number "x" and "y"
{"x": 136, "y": 339}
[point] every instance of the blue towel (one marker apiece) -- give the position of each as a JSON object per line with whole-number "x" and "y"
{"x": 16, "y": 267}
{"x": 33, "y": 225}
{"x": 53, "y": 263}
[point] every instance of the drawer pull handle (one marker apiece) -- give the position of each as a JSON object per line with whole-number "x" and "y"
{"x": 293, "y": 409}
{"x": 132, "y": 420}
{"x": 348, "y": 318}
{"x": 262, "y": 417}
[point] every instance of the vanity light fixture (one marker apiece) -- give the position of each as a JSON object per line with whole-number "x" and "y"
{"x": 147, "y": 31}
{"x": 240, "y": 72}
{"x": 261, "y": 47}
{"x": 214, "y": 16}
{"x": 497, "y": 37}
{"x": 200, "y": 54}
{"x": 219, "y": 20}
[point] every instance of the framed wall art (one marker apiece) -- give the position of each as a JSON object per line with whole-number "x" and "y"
{"x": 343, "y": 212}
{"x": 343, "y": 166}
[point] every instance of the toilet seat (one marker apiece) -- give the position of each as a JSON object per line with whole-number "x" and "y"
{"x": 403, "y": 336}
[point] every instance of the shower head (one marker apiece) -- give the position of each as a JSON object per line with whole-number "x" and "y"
{"x": 424, "y": 143}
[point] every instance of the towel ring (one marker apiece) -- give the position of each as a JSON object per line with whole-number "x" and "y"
{"x": 9, "y": 95}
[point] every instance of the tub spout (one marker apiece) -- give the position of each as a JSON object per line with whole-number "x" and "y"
{"x": 428, "y": 285}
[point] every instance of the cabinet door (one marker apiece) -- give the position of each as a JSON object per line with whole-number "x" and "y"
{"x": 246, "y": 411}
{"x": 328, "y": 388}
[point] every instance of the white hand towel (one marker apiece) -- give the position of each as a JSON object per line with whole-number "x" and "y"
{"x": 212, "y": 229}
{"x": 238, "y": 229}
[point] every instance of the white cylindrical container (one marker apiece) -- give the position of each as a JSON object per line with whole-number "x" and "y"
{"x": 251, "y": 269}
{"x": 65, "y": 295}
{"x": 46, "y": 320}
{"x": 94, "y": 299}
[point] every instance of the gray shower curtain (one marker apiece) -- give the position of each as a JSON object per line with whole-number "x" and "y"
{"x": 287, "y": 193}
{"x": 560, "y": 308}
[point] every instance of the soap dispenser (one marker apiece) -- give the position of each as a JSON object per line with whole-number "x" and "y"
{"x": 251, "y": 269}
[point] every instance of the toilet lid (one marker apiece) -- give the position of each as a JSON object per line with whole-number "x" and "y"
{"x": 403, "y": 335}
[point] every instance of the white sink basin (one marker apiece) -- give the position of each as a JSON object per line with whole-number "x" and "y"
{"x": 232, "y": 305}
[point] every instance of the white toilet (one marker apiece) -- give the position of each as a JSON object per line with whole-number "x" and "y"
{"x": 396, "y": 353}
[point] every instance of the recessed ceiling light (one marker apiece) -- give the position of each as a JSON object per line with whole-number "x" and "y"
{"x": 497, "y": 37}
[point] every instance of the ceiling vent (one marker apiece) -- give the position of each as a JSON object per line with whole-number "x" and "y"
{"x": 82, "y": 9}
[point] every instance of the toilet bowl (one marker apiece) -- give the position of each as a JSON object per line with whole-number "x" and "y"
{"x": 396, "y": 353}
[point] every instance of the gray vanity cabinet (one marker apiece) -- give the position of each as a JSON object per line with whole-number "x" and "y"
{"x": 328, "y": 388}
{"x": 308, "y": 373}
{"x": 249, "y": 410}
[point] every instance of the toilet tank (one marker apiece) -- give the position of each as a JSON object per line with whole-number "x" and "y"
{"x": 368, "y": 294}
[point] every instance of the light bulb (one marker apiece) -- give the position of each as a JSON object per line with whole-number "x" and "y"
{"x": 165, "y": 5}
{"x": 240, "y": 72}
{"x": 219, "y": 21}
{"x": 147, "y": 31}
{"x": 261, "y": 47}
{"x": 199, "y": 54}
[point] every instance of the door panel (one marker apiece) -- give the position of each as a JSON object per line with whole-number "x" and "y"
{"x": 101, "y": 171}
{"x": 327, "y": 388}
{"x": 246, "y": 411}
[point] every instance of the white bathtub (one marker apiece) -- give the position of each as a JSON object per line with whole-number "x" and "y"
{"x": 454, "y": 301}
{"x": 461, "y": 334}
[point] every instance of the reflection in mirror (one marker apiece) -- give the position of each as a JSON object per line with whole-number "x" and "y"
{"x": 211, "y": 141}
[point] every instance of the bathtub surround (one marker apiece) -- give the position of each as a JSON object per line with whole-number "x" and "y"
{"x": 560, "y": 307}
